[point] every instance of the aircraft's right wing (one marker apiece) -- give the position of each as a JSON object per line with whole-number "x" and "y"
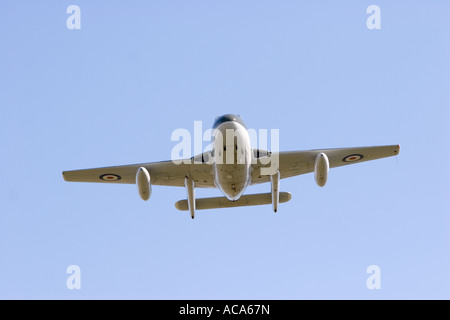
{"x": 294, "y": 163}
{"x": 163, "y": 173}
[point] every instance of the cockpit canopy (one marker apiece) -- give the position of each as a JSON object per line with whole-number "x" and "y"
{"x": 226, "y": 118}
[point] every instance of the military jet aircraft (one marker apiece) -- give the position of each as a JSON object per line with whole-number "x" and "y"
{"x": 231, "y": 166}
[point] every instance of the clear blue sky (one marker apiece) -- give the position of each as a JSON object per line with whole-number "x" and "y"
{"x": 113, "y": 92}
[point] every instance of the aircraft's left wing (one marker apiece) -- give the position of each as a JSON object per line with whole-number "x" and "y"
{"x": 164, "y": 173}
{"x": 293, "y": 163}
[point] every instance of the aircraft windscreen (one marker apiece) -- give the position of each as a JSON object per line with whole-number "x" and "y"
{"x": 226, "y": 118}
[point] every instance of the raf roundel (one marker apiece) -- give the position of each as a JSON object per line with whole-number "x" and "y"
{"x": 353, "y": 157}
{"x": 110, "y": 177}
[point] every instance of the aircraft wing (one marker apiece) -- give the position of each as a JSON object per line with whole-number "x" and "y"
{"x": 167, "y": 173}
{"x": 294, "y": 163}
{"x": 164, "y": 173}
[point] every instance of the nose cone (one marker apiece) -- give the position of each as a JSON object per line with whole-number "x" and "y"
{"x": 233, "y": 195}
{"x": 232, "y": 192}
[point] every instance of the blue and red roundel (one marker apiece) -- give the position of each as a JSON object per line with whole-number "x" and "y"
{"x": 353, "y": 157}
{"x": 110, "y": 177}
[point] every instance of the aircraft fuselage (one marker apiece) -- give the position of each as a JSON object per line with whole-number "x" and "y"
{"x": 232, "y": 156}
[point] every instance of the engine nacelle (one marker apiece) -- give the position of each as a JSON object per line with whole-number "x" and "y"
{"x": 321, "y": 169}
{"x": 143, "y": 183}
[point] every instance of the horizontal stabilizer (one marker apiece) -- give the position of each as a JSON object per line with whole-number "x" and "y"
{"x": 222, "y": 202}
